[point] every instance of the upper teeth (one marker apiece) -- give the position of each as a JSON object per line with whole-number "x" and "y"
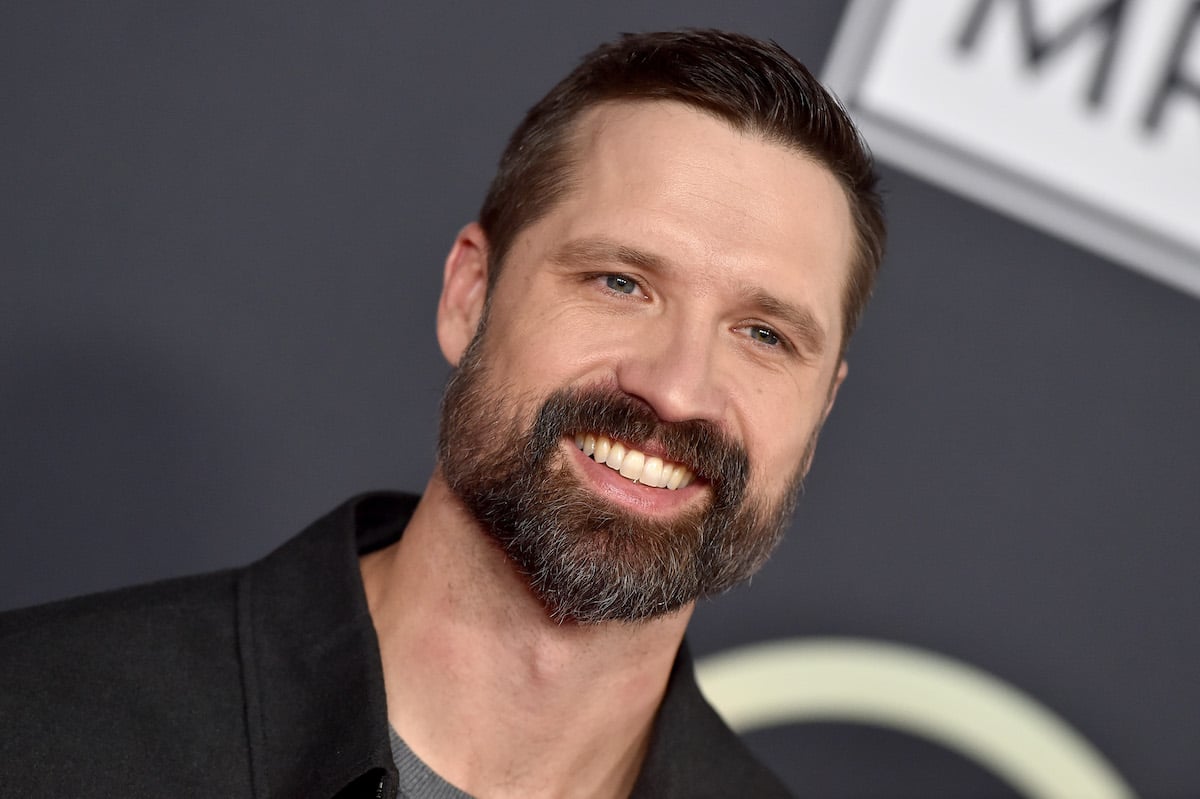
{"x": 637, "y": 466}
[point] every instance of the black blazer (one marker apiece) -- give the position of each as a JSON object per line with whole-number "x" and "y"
{"x": 263, "y": 681}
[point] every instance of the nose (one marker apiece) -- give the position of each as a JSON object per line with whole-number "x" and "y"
{"x": 676, "y": 372}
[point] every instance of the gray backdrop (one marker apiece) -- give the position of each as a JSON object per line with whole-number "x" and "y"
{"x": 223, "y": 229}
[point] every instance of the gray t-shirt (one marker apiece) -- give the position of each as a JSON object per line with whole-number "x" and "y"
{"x": 417, "y": 780}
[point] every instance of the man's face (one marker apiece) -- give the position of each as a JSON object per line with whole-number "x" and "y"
{"x": 682, "y": 303}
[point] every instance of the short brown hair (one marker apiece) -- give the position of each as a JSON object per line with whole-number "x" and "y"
{"x": 755, "y": 86}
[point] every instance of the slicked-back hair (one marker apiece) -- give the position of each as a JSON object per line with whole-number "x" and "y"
{"x": 755, "y": 86}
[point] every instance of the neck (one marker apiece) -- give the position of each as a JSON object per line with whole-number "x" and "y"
{"x": 486, "y": 689}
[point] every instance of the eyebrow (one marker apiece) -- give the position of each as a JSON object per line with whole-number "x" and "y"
{"x": 799, "y": 320}
{"x": 603, "y": 251}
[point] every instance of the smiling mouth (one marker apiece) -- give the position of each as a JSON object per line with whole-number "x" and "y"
{"x": 634, "y": 465}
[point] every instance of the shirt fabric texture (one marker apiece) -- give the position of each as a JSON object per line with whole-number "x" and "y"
{"x": 416, "y": 779}
{"x": 263, "y": 681}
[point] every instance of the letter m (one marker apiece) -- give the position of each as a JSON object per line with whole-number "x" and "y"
{"x": 1040, "y": 45}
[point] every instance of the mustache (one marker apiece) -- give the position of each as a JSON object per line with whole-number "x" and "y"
{"x": 698, "y": 444}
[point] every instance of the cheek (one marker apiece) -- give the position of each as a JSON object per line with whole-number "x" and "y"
{"x": 779, "y": 430}
{"x": 781, "y": 456}
{"x": 546, "y": 342}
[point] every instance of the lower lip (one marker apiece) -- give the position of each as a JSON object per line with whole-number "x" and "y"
{"x": 623, "y": 491}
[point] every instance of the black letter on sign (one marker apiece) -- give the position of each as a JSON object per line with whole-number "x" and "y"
{"x": 1108, "y": 16}
{"x": 1173, "y": 79}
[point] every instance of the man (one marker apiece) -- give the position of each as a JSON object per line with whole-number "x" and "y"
{"x": 648, "y": 324}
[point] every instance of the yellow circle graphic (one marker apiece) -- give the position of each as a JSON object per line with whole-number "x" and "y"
{"x": 914, "y": 691}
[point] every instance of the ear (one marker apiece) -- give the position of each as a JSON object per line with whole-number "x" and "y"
{"x": 838, "y": 377}
{"x": 842, "y": 370}
{"x": 464, "y": 289}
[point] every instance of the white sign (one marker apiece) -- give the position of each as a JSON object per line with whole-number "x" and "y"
{"x": 1081, "y": 117}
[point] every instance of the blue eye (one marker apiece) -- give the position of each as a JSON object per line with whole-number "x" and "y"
{"x": 765, "y": 335}
{"x": 620, "y": 283}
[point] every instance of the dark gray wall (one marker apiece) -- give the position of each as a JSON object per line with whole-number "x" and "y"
{"x": 222, "y": 236}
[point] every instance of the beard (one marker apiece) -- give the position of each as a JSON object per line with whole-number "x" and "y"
{"x": 585, "y": 558}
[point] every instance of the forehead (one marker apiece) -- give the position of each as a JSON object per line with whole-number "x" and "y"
{"x": 726, "y": 204}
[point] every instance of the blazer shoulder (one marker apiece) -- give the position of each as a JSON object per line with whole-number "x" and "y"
{"x": 204, "y": 594}
{"x": 148, "y": 676}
